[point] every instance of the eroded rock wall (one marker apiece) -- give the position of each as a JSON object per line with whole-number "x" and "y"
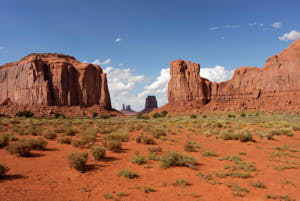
{"x": 53, "y": 79}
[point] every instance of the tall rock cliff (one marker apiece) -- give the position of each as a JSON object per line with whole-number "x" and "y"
{"x": 186, "y": 84}
{"x": 53, "y": 80}
{"x": 276, "y": 84}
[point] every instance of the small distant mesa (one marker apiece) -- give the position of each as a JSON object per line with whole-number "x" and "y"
{"x": 150, "y": 104}
{"x": 126, "y": 109}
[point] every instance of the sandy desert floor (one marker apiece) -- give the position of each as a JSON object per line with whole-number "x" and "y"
{"x": 261, "y": 162}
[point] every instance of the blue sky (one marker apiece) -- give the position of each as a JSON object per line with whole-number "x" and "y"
{"x": 221, "y": 35}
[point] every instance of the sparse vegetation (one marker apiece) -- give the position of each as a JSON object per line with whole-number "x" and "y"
{"x": 78, "y": 161}
{"x": 4, "y": 140}
{"x": 145, "y": 139}
{"x": 3, "y": 170}
{"x": 138, "y": 159}
{"x": 209, "y": 154}
{"x": 175, "y": 159}
{"x": 189, "y": 146}
{"x": 65, "y": 140}
{"x": 98, "y": 152}
{"x": 128, "y": 174}
{"x": 259, "y": 184}
{"x": 113, "y": 145}
{"x": 25, "y": 113}
{"x": 50, "y": 135}
{"x": 19, "y": 148}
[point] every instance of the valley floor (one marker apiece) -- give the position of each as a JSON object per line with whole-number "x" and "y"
{"x": 255, "y": 156}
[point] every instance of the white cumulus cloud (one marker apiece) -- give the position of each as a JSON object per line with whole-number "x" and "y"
{"x": 122, "y": 84}
{"x": 159, "y": 87}
{"x": 98, "y": 62}
{"x": 292, "y": 35}
{"x": 229, "y": 26}
{"x": 216, "y": 74}
{"x": 118, "y": 40}
{"x": 276, "y": 25}
{"x": 214, "y": 28}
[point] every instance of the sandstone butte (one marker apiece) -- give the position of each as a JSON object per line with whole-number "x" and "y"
{"x": 150, "y": 104}
{"x": 273, "y": 88}
{"x": 50, "y": 81}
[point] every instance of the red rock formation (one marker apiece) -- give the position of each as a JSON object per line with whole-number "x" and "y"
{"x": 186, "y": 84}
{"x": 150, "y": 104}
{"x": 53, "y": 79}
{"x": 274, "y": 87}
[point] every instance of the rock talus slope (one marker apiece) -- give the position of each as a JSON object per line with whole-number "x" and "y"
{"x": 275, "y": 87}
{"x": 53, "y": 80}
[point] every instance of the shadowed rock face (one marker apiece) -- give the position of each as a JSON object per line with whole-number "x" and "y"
{"x": 279, "y": 76}
{"x": 53, "y": 79}
{"x": 150, "y": 104}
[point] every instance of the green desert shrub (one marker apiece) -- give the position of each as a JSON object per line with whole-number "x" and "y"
{"x": 287, "y": 131}
{"x": 193, "y": 116}
{"x": 65, "y": 140}
{"x": 88, "y": 139}
{"x": 4, "y": 140}
{"x": 138, "y": 159}
{"x": 296, "y": 128}
{"x": 35, "y": 143}
{"x": 164, "y": 113}
{"x": 231, "y": 116}
{"x": 98, "y": 152}
{"x": 259, "y": 184}
{"x": 19, "y": 148}
{"x": 25, "y": 113}
{"x": 154, "y": 149}
{"x": 175, "y": 159}
{"x": 142, "y": 116}
{"x": 78, "y": 161}
{"x": 77, "y": 143}
{"x": 3, "y": 170}
{"x": 145, "y": 139}
{"x": 104, "y": 116}
{"x": 243, "y": 114}
{"x": 156, "y": 115}
{"x": 189, "y": 146}
{"x": 59, "y": 115}
{"x": 50, "y": 135}
{"x": 157, "y": 132}
{"x": 245, "y": 136}
{"x": 112, "y": 145}
{"x": 120, "y": 134}
{"x": 209, "y": 154}
{"x": 71, "y": 132}
{"x": 128, "y": 174}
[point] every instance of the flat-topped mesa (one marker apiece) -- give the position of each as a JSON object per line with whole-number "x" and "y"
{"x": 53, "y": 79}
{"x": 280, "y": 74}
{"x": 186, "y": 84}
{"x": 250, "y": 87}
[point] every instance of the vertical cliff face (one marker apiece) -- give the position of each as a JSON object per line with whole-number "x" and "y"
{"x": 186, "y": 84}
{"x": 53, "y": 79}
{"x": 279, "y": 78}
